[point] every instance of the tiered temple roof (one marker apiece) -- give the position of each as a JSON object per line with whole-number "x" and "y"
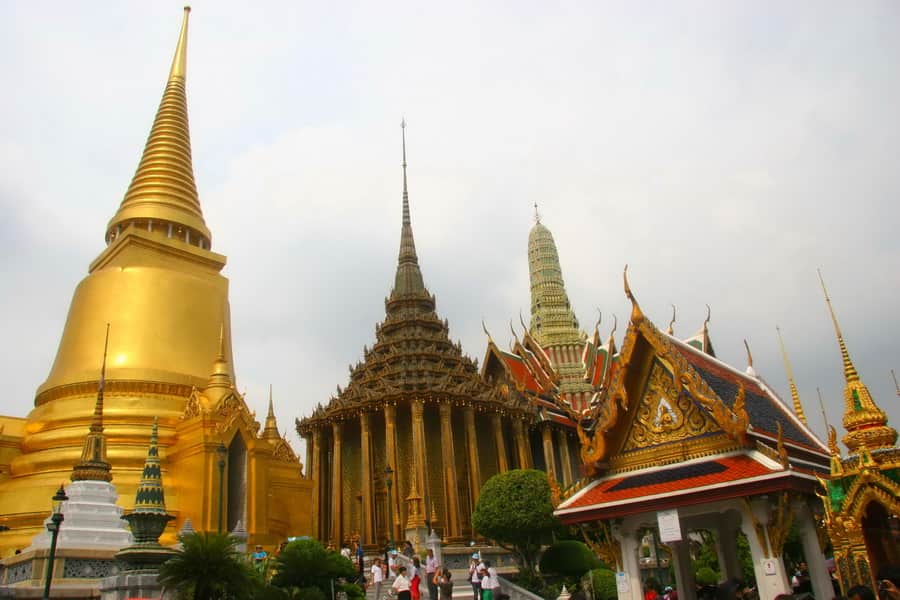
{"x": 413, "y": 355}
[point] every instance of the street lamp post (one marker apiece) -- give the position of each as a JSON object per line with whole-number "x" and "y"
{"x": 56, "y": 519}
{"x": 221, "y": 452}
{"x": 388, "y": 471}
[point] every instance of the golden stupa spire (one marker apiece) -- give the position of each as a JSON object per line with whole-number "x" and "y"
{"x": 865, "y": 422}
{"x": 220, "y": 376}
{"x": 163, "y": 193}
{"x": 270, "y": 431}
{"x": 795, "y": 395}
{"x": 93, "y": 465}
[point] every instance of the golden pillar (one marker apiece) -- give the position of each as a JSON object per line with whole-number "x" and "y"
{"x": 418, "y": 434}
{"x": 497, "y": 426}
{"x": 315, "y": 470}
{"x": 390, "y": 446}
{"x": 365, "y": 474}
{"x": 564, "y": 457}
{"x": 522, "y": 449}
{"x": 336, "y": 494}
{"x": 449, "y": 458}
{"x": 547, "y": 438}
{"x": 472, "y": 439}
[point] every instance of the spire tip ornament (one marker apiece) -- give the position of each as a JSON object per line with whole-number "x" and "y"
{"x": 94, "y": 465}
{"x": 795, "y": 395}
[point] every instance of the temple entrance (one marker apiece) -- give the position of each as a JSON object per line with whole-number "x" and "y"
{"x": 236, "y": 493}
{"x": 881, "y": 532}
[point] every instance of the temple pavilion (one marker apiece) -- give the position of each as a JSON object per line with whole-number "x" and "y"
{"x": 675, "y": 441}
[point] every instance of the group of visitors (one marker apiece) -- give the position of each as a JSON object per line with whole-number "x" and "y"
{"x": 484, "y": 579}
{"x": 405, "y": 581}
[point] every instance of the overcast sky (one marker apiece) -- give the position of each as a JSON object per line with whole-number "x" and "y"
{"x": 724, "y": 150}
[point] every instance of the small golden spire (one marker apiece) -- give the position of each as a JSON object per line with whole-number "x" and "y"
{"x": 537, "y": 215}
{"x": 221, "y": 375}
{"x": 671, "y": 329}
{"x": 795, "y": 395}
{"x": 270, "y": 431}
{"x": 94, "y": 465}
{"x": 865, "y": 422}
{"x": 163, "y": 189}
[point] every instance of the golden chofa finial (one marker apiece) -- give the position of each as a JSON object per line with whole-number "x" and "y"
{"x": 179, "y": 61}
{"x": 486, "y": 332}
{"x": 671, "y": 329}
{"x": 795, "y": 395}
{"x": 636, "y": 314}
{"x": 750, "y": 370}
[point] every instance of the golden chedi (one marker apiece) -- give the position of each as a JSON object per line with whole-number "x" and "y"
{"x": 158, "y": 284}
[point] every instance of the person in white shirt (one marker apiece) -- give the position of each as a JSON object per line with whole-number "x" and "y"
{"x": 392, "y": 564}
{"x": 401, "y": 584}
{"x": 377, "y": 577}
{"x": 475, "y": 578}
{"x": 490, "y": 584}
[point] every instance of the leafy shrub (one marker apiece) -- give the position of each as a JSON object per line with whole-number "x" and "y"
{"x": 706, "y": 576}
{"x": 604, "y": 582}
{"x": 568, "y": 558}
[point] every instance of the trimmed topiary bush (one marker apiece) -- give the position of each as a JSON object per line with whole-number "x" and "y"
{"x": 604, "y": 582}
{"x": 569, "y": 558}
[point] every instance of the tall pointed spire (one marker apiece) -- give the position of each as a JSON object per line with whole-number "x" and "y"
{"x": 795, "y": 395}
{"x": 270, "y": 431}
{"x": 94, "y": 465}
{"x": 552, "y": 320}
{"x": 163, "y": 192}
{"x": 408, "y": 280}
{"x": 865, "y": 422}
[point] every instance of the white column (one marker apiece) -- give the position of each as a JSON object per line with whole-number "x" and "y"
{"x": 727, "y": 546}
{"x": 684, "y": 573}
{"x": 628, "y": 541}
{"x": 774, "y": 582}
{"x": 815, "y": 560}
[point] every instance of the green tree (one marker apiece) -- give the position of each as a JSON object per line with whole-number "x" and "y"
{"x": 307, "y": 564}
{"x": 208, "y": 567}
{"x": 514, "y": 510}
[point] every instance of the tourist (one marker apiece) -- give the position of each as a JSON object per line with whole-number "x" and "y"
{"x": 430, "y": 574}
{"x": 444, "y": 581}
{"x": 475, "y": 577}
{"x": 401, "y": 585}
{"x": 669, "y": 593}
{"x": 393, "y": 565}
{"x": 733, "y": 589}
{"x": 408, "y": 550}
{"x": 377, "y": 577}
{"x": 416, "y": 579}
{"x": 650, "y": 592}
{"x": 889, "y": 583}
{"x": 259, "y": 558}
{"x": 490, "y": 584}
{"x": 860, "y": 592}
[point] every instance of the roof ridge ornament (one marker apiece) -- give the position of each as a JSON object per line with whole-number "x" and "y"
{"x": 671, "y": 329}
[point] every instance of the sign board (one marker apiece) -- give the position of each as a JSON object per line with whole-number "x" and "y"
{"x": 669, "y": 526}
{"x": 769, "y": 566}
{"x": 622, "y": 583}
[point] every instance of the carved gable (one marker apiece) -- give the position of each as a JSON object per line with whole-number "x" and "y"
{"x": 665, "y": 414}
